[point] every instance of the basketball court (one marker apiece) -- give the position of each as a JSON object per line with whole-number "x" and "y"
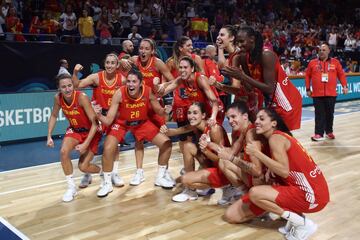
{"x": 31, "y": 206}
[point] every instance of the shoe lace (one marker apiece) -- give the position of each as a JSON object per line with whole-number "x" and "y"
{"x": 137, "y": 175}
{"x": 291, "y": 233}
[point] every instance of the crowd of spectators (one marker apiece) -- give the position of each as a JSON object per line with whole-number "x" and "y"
{"x": 292, "y": 28}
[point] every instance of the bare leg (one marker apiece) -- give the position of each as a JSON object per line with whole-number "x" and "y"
{"x": 165, "y": 146}
{"x": 238, "y": 212}
{"x": 190, "y": 151}
{"x": 139, "y": 154}
{"x": 264, "y": 197}
{"x": 85, "y": 164}
{"x": 196, "y": 179}
{"x": 232, "y": 172}
{"x": 109, "y": 154}
{"x": 67, "y": 146}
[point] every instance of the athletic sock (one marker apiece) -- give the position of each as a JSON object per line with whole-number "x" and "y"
{"x": 294, "y": 218}
{"x": 70, "y": 181}
{"x": 115, "y": 167}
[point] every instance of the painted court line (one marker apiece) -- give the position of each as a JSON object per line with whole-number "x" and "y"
{"x": 149, "y": 147}
{"x": 309, "y": 145}
{"x": 76, "y": 178}
{"x": 10, "y": 235}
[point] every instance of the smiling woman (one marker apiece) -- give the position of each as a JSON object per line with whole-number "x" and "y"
{"x": 302, "y": 187}
{"x": 128, "y": 111}
{"x": 260, "y": 72}
{"x": 153, "y": 70}
{"x": 81, "y": 135}
{"x": 104, "y": 84}
{"x": 210, "y": 176}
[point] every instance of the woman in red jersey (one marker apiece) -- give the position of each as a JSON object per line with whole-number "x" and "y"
{"x": 129, "y": 112}
{"x": 210, "y": 176}
{"x": 226, "y": 44}
{"x": 242, "y": 170}
{"x": 192, "y": 86}
{"x": 261, "y": 69}
{"x": 81, "y": 135}
{"x": 183, "y": 47}
{"x": 104, "y": 84}
{"x": 152, "y": 69}
{"x": 302, "y": 189}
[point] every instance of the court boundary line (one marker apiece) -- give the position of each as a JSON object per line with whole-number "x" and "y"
{"x": 76, "y": 178}
{"x": 49, "y": 164}
{"x": 14, "y": 229}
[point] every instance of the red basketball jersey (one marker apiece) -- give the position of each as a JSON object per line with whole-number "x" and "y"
{"x": 103, "y": 93}
{"x": 305, "y": 174}
{"x": 286, "y": 99}
{"x": 75, "y": 113}
{"x": 149, "y": 72}
{"x": 134, "y": 110}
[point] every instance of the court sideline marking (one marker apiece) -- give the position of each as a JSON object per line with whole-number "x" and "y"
{"x": 148, "y": 164}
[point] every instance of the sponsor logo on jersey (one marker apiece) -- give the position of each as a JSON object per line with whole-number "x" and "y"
{"x": 71, "y": 112}
{"x": 135, "y": 105}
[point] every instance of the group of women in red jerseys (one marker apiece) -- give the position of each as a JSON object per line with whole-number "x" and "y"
{"x": 261, "y": 153}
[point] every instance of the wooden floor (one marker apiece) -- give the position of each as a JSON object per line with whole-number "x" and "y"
{"x": 30, "y": 199}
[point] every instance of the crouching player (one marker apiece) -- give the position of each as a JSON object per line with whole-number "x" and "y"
{"x": 303, "y": 188}
{"x": 242, "y": 171}
{"x": 209, "y": 176}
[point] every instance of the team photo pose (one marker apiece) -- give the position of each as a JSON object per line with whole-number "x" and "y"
{"x": 242, "y": 171}
{"x": 81, "y": 135}
{"x": 302, "y": 187}
{"x": 104, "y": 84}
{"x": 193, "y": 87}
{"x": 226, "y": 43}
{"x": 260, "y": 68}
{"x": 210, "y": 176}
{"x": 129, "y": 112}
{"x": 152, "y": 69}
{"x": 182, "y": 47}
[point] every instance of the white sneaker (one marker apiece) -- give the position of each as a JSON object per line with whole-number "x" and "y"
{"x": 69, "y": 194}
{"x": 138, "y": 177}
{"x": 205, "y": 192}
{"x": 169, "y": 177}
{"x": 105, "y": 189}
{"x": 285, "y": 229}
{"x": 85, "y": 181}
{"x": 162, "y": 181}
{"x": 302, "y": 232}
{"x": 116, "y": 180}
{"x": 185, "y": 195}
{"x": 230, "y": 193}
